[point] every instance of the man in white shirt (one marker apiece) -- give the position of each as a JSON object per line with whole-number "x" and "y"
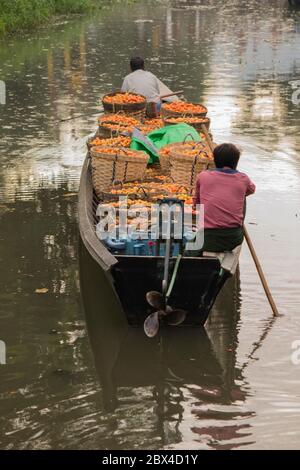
{"x": 142, "y": 82}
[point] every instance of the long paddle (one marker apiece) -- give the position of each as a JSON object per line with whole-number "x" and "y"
{"x": 261, "y": 273}
{"x": 180, "y": 92}
{"x": 251, "y": 248}
{"x": 81, "y": 115}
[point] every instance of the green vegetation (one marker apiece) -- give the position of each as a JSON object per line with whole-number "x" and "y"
{"x": 19, "y": 15}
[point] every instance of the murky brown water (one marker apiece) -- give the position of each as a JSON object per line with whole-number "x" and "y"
{"x": 196, "y": 389}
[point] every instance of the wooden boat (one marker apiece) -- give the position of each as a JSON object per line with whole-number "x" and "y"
{"x": 198, "y": 282}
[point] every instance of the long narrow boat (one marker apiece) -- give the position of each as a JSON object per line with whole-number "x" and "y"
{"x": 198, "y": 282}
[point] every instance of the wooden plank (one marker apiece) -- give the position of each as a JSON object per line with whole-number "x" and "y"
{"x": 164, "y": 90}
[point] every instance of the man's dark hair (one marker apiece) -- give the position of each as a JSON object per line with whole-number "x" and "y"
{"x": 137, "y": 63}
{"x": 226, "y": 155}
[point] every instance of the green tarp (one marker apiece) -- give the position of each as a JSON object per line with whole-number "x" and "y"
{"x": 164, "y": 136}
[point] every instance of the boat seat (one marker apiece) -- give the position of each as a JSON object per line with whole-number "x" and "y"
{"x": 229, "y": 259}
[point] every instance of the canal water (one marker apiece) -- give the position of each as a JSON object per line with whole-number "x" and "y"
{"x": 235, "y": 384}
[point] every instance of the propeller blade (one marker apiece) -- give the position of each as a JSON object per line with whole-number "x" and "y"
{"x": 151, "y": 325}
{"x": 156, "y": 300}
{"x": 176, "y": 317}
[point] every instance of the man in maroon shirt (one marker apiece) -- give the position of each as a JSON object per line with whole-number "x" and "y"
{"x": 223, "y": 193}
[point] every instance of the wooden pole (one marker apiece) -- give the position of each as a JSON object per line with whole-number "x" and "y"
{"x": 251, "y": 248}
{"x": 171, "y": 94}
{"x": 261, "y": 273}
{"x": 81, "y": 115}
{"x": 207, "y": 136}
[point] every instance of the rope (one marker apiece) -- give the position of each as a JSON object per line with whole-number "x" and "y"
{"x": 193, "y": 170}
{"x": 174, "y": 275}
{"x": 114, "y": 168}
{"x": 125, "y": 170}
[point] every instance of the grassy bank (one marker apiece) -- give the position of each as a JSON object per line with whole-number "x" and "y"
{"x": 19, "y": 15}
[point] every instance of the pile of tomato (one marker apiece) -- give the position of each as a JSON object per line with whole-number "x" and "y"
{"x": 118, "y": 128}
{"x": 115, "y": 151}
{"x": 124, "y": 98}
{"x": 183, "y": 107}
{"x": 118, "y": 119}
{"x": 187, "y": 120}
{"x": 113, "y": 142}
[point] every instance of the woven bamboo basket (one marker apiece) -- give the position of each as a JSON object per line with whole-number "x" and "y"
{"x": 91, "y": 139}
{"x": 139, "y": 192}
{"x": 139, "y": 115}
{"x": 184, "y": 169}
{"x": 117, "y": 118}
{"x": 121, "y": 166}
{"x": 107, "y": 142}
{"x": 153, "y": 172}
{"x": 165, "y": 159}
{"x": 165, "y": 112}
{"x": 137, "y": 110}
{"x": 197, "y": 125}
{"x": 105, "y": 132}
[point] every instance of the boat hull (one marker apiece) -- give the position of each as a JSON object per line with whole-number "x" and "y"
{"x": 197, "y": 285}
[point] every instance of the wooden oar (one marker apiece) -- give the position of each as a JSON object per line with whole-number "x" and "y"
{"x": 251, "y": 248}
{"x": 81, "y": 115}
{"x": 180, "y": 92}
{"x": 261, "y": 273}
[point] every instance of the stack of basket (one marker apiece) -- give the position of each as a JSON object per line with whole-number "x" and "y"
{"x": 113, "y": 125}
{"x": 184, "y": 161}
{"x": 196, "y": 122}
{"x": 131, "y": 104}
{"x": 133, "y": 191}
{"x": 183, "y": 109}
{"x": 110, "y": 164}
{"x": 165, "y": 158}
{"x": 97, "y": 141}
